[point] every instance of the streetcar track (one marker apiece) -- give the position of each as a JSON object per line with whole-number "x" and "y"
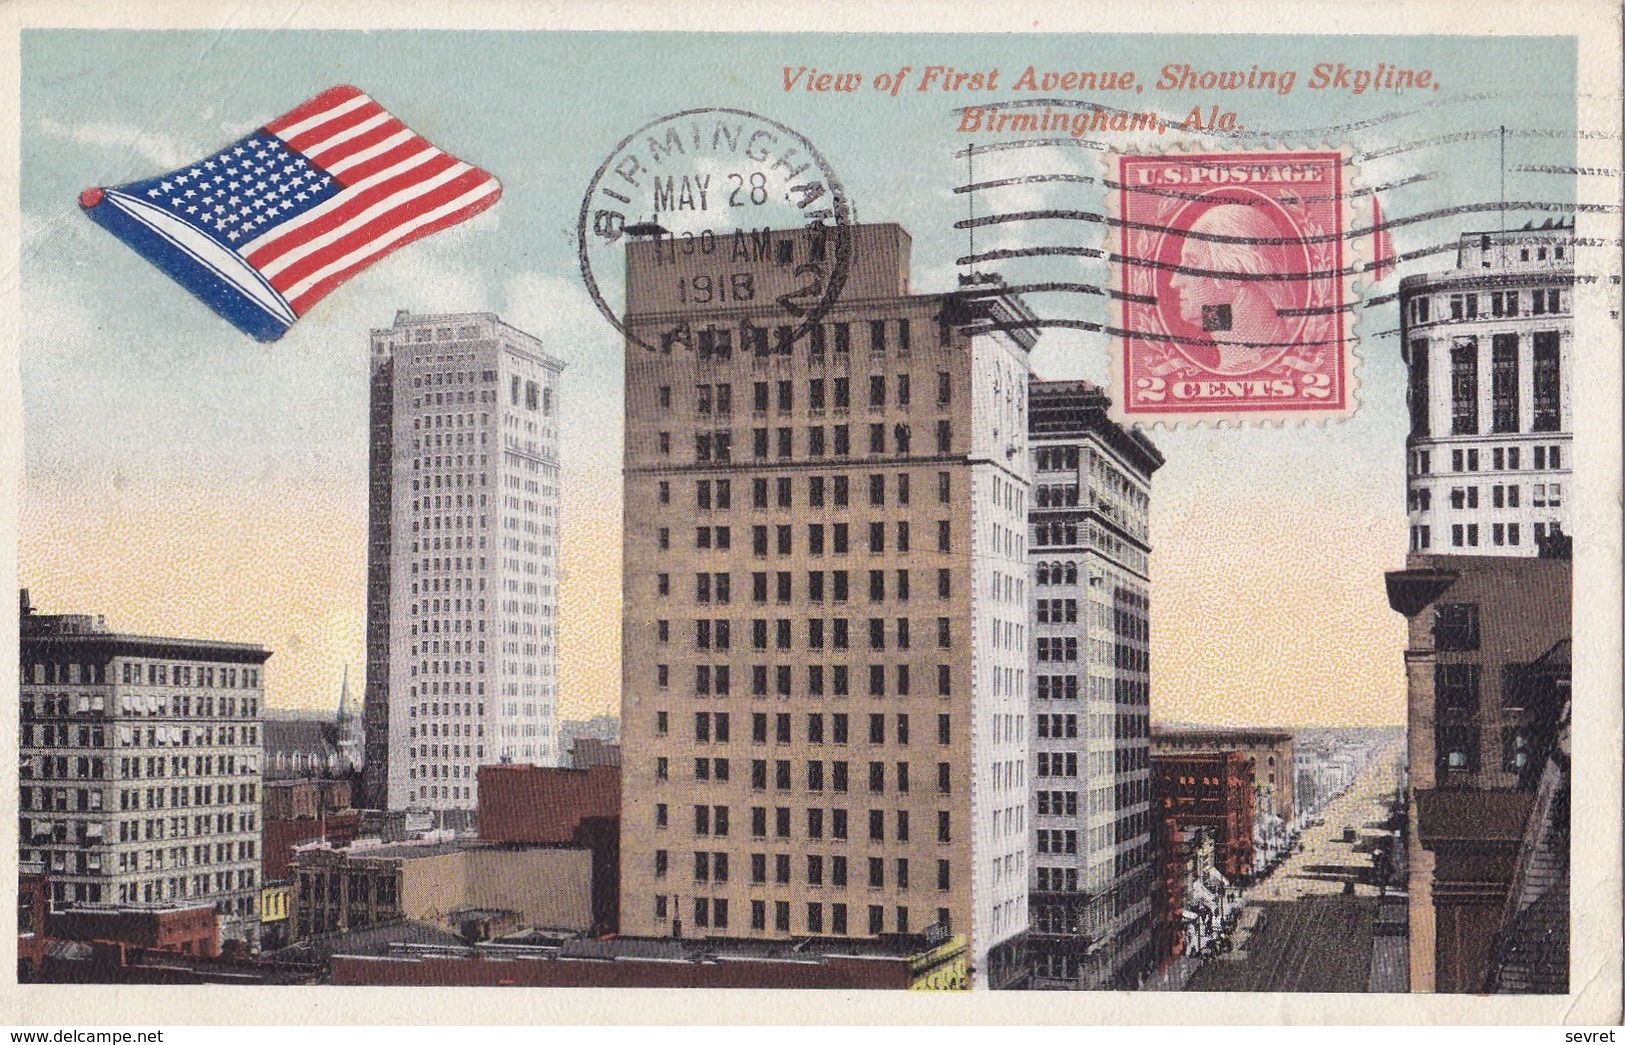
{"x": 1314, "y": 941}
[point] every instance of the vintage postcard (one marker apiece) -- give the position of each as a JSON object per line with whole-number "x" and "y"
{"x": 1028, "y": 510}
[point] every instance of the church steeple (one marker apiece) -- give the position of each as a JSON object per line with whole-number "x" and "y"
{"x": 349, "y": 725}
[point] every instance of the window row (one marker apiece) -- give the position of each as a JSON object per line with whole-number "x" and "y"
{"x": 716, "y": 398}
{"x": 821, "y": 538}
{"x": 717, "y": 679}
{"x": 716, "y": 343}
{"x": 713, "y": 820}
{"x": 776, "y": 727}
{"x": 717, "y": 587}
{"x": 716, "y": 446}
{"x": 712, "y": 913}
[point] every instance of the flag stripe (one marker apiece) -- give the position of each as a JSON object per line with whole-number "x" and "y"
{"x": 317, "y": 110}
{"x": 357, "y": 208}
{"x": 375, "y": 222}
{"x": 316, "y": 132}
{"x": 378, "y": 148}
{"x": 445, "y": 217}
{"x": 411, "y": 154}
{"x": 333, "y": 144}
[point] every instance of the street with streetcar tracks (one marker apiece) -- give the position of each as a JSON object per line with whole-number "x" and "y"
{"x": 1311, "y": 924}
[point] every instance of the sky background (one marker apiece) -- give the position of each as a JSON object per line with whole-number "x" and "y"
{"x": 180, "y": 478}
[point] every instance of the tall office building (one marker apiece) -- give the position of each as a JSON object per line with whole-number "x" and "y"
{"x": 1090, "y": 694}
{"x": 825, "y": 637}
{"x": 462, "y": 575}
{"x": 1488, "y": 345}
{"x": 140, "y": 768}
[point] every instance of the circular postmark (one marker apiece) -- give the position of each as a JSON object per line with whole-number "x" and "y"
{"x": 687, "y": 217}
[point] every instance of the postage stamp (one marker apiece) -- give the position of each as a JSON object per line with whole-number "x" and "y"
{"x": 822, "y": 498}
{"x": 1234, "y": 290}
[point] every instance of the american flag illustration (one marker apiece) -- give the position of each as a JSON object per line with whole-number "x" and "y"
{"x": 269, "y": 225}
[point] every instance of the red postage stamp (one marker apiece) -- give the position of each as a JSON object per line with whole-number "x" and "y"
{"x": 1231, "y": 270}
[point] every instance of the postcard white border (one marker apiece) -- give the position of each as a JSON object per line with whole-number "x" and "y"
{"x": 1596, "y": 876}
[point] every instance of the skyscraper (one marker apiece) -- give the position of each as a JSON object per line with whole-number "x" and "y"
{"x": 825, "y": 631}
{"x": 1091, "y": 782}
{"x": 462, "y": 576}
{"x": 140, "y": 768}
{"x": 1488, "y": 345}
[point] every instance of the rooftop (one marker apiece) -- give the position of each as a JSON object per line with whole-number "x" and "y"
{"x": 1059, "y": 409}
{"x": 81, "y": 630}
{"x": 548, "y": 944}
{"x": 1232, "y": 734}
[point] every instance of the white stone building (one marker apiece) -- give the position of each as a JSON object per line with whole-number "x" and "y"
{"x": 1489, "y": 346}
{"x": 1091, "y": 778}
{"x": 462, "y": 566}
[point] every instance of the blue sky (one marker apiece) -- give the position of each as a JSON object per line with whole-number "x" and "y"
{"x": 182, "y": 477}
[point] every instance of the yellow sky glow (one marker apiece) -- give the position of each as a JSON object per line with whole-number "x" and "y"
{"x": 1264, "y": 610}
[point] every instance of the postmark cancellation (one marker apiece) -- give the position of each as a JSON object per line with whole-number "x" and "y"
{"x": 1233, "y": 285}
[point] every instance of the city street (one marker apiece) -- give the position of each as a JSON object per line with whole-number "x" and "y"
{"x": 1309, "y": 925}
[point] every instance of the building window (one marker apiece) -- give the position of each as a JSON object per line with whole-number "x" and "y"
{"x": 1464, "y": 386}
{"x": 1504, "y": 383}
{"x": 1419, "y": 386}
{"x": 1548, "y": 383}
{"x": 1456, "y": 749}
{"x": 1455, "y": 687}
{"x": 1455, "y": 626}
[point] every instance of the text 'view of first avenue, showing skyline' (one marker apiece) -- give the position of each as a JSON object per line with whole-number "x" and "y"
{"x": 888, "y": 713}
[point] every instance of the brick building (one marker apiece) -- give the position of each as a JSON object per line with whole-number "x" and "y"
{"x": 282, "y": 837}
{"x": 307, "y": 799}
{"x": 1167, "y": 890}
{"x": 1271, "y": 751}
{"x": 184, "y": 929}
{"x": 531, "y": 805}
{"x": 535, "y": 805}
{"x": 33, "y": 921}
{"x": 1487, "y": 670}
{"x": 1211, "y": 790}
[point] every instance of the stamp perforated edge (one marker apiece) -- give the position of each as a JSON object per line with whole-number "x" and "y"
{"x": 1356, "y": 276}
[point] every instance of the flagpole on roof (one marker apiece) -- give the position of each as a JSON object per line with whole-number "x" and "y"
{"x": 1503, "y": 177}
{"x": 970, "y": 201}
